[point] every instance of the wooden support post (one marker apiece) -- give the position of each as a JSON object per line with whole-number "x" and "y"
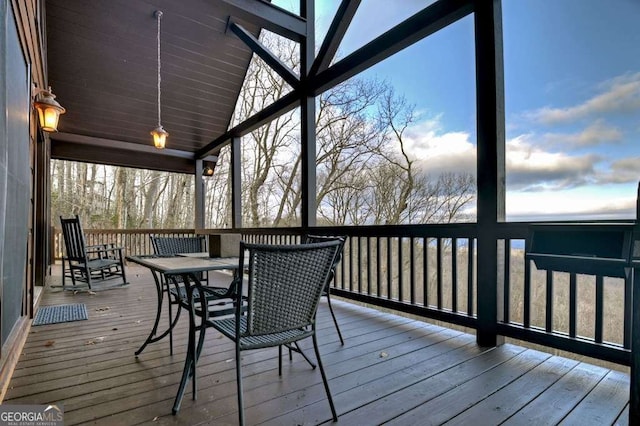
{"x": 308, "y": 120}
{"x": 199, "y": 196}
{"x": 490, "y": 166}
{"x": 236, "y": 183}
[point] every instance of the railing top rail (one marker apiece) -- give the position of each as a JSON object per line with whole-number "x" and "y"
{"x": 135, "y": 231}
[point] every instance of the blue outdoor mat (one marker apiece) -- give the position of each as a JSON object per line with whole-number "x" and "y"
{"x": 60, "y": 313}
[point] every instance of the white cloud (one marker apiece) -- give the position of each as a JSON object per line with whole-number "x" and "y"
{"x": 541, "y": 184}
{"x": 621, "y": 94}
{"x": 597, "y": 133}
{"x": 528, "y": 167}
{"x": 626, "y": 170}
{"x": 440, "y": 152}
{"x": 532, "y": 169}
{"x": 582, "y": 204}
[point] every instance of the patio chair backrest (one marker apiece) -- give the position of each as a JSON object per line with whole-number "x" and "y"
{"x": 285, "y": 284}
{"x": 309, "y": 239}
{"x": 74, "y": 241}
{"x": 168, "y": 246}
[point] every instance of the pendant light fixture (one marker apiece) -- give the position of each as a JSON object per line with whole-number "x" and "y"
{"x": 159, "y": 134}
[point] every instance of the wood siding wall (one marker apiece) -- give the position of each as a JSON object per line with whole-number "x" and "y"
{"x": 22, "y": 66}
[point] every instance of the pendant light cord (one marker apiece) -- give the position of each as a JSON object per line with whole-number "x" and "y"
{"x": 159, "y": 15}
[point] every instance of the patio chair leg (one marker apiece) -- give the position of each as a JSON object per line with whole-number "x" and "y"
{"x": 324, "y": 378}
{"x": 170, "y": 315}
{"x": 239, "y": 382}
{"x": 335, "y": 321}
{"x": 280, "y": 360}
{"x": 294, "y": 347}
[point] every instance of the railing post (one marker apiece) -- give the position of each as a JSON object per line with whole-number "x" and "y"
{"x": 634, "y": 397}
{"x": 490, "y": 165}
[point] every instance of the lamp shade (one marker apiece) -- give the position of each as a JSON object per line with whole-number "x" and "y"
{"x": 159, "y": 137}
{"x": 207, "y": 171}
{"x": 49, "y": 110}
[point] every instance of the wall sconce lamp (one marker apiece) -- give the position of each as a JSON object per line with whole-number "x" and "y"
{"x": 207, "y": 171}
{"x": 48, "y": 108}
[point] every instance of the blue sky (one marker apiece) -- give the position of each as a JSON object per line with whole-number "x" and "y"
{"x": 572, "y": 97}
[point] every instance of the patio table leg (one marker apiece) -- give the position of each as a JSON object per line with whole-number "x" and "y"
{"x": 153, "y": 336}
{"x": 189, "y": 369}
{"x": 193, "y": 349}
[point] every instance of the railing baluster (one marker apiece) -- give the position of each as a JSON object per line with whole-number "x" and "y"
{"x": 389, "y": 278}
{"x": 369, "y": 265}
{"x": 526, "y": 309}
{"x": 400, "y": 271}
{"x": 425, "y": 271}
{"x": 350, "y": 263}
{"x": 573, "y": 304}
{"x": 439, "y": 271}
{"x": 506, "y": 303}
{"x": 359, "y": 265}
{"x": 549, "y": 304}
{"x": 343, "y": 267}
{"x": 470, "y": 275}
{"x": 454, "y": 274}
{"x": 412, "y": 272}
{"x": 599, "y": 308}
{"x": 378, "y": 268}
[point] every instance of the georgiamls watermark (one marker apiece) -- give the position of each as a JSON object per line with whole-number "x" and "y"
{"x": 31, "y": 415}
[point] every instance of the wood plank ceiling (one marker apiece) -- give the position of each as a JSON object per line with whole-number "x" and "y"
{"x": 102, "y": 66}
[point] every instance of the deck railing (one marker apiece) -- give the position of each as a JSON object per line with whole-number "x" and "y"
{"x": 134, "y": 241}
{"x": 431, "y": 271}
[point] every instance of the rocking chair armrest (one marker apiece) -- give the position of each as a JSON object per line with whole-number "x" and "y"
{"x": 104, "y": 250}
{"x": 97, "y": 247}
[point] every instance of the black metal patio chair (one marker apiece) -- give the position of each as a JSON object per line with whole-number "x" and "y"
{"x": 85, "y": 263}
{"x": 176, "y": 293}
{"x": 284, "y": 286}
{"x": 171, "y": 246}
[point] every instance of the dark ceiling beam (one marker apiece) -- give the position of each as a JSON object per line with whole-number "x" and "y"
{"x": 69, "y": 151}
{"x": 269, "y": 17}
{"x": 273, "y": 111}
{"x": 263, "y": 52}
{"x": 335, "y": 34}
{"x": 125, "y": 146}
{"x": 419, "y": 26}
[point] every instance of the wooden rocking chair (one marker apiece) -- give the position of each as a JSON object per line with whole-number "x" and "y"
{"x": 88, "y": 263}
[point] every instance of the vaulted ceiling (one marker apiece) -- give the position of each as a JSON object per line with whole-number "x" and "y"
{"x": 102, "y": 66}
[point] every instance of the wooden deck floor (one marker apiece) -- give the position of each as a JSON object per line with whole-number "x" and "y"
{"x": 391, "y": 369}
